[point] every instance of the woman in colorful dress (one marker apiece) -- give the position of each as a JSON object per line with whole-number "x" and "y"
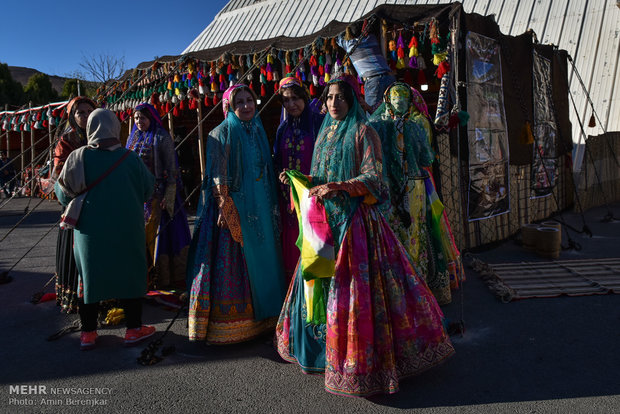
{"x": 406, "y": 152}
{"x": 441, "y": 233}
{"x": 167, "y": 231}
{"x": 235, "y": 263}
{"x": 381, "y": 323}
{"x": 293, "y": 151}
{"x": 73, "y": 137}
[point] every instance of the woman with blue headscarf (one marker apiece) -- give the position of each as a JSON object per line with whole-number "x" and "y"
{"x": 167, "y": 231}
{"x": 380, "y": 321}
{"x": 235, "y": 263}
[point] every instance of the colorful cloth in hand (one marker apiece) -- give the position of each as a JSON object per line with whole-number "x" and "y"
{"x": 315, "y": 242}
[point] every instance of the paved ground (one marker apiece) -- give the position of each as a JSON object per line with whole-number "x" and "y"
{"x": 531, "y": 356}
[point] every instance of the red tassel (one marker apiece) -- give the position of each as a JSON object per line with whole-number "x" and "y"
{"x": 321, "y": 71}
{"x": 392, "y": 64}
{"x": 442, "y": 69}
{"x": 45, "y": 123}
{"x": 362, "y": 90}
{"x": 154, "y": 99}
{"x": 175, "y": 111}
{"x": 263, "y": 92}
{"x": 182, "y": 104}
{"x": 207, "y": 101}
{"x": 421, "y": 78}
{"x": 216, "y": 100}
{"x": 312, "y": 90}
{"x": 408, "y": 78}
{"x": 276, "y": 87}
{"x": 55, "y": 113}
{"x": 269, "y": 76}
{"x": 453, "y": 122}
{"x": 287, "y": 68}
{"x": 168, "y": 107}
{"x": 229, "y": 69}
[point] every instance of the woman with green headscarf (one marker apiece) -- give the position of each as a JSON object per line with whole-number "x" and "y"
{"x": 380, "y": 322}
{"x": 414, "y": 212}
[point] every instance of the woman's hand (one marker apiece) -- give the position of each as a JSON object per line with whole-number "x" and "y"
{"x": 324, "y": 191}
{"x": 284, "y": 178}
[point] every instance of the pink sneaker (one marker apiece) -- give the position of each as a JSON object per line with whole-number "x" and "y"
{"x": 135, "y": 335}
{"x": 87, "y": 340}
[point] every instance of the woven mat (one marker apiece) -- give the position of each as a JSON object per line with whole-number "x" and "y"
{"x": 550, "y": 279}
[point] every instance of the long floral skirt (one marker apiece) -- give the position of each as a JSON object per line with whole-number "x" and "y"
{"x": 168, "y": 242}
{"x": 383, "y": 324}
{"x": 221, "y": 310}
{"x": 67, "y": 278}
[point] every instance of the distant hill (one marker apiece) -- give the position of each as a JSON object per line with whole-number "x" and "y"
{"x": 22, "y": 75}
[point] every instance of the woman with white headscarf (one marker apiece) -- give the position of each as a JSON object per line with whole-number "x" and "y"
{"x": 104, "y": 187}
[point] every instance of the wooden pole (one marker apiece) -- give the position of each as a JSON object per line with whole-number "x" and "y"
{"x": 32, "y": 152}
{"x": 51, "y": 139}
{"x": 8, "y": 155}
{"x": 171, "y": 125}
{"x": 201, "y": 143}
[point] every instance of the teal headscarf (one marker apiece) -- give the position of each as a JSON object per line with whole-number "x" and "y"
{"x": 238, "y": 156}
{"x": 401, "y": 163}
{"x": 347, "y": 149}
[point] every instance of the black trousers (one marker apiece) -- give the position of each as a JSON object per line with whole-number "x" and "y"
{"x": 88, "y": 314}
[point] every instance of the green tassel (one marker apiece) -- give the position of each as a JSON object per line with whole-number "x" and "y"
{"x": 463, "y": 118}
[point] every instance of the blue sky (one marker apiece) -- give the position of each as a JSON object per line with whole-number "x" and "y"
{"x": 52, "y": 36}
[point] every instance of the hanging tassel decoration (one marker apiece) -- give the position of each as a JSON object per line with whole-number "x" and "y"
{"x": 526, "y": 137}
{"x": 442, "y": 69}
{"x": 400, "y": 52}
{"x": 592, "y": 122}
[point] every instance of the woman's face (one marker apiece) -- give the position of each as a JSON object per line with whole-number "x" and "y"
{"x": 142, "y": 121}
{"x": 293, "y": 104}
{"x": 336, "y": 102}
{"x": 81, "y": 114}
{"x": 399, "y": 99}
{"x": 244, "y": 105}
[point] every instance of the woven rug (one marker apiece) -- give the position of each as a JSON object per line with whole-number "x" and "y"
{"x": 511, "y": 281}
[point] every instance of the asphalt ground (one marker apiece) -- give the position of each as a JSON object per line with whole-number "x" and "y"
{"x": 554, "y": 355}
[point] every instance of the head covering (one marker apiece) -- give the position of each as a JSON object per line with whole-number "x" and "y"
{"x": 71, "y": 108}
{"x": 103, "y": 129}
{"x": 145, "y": 138}
{"x": 151, "y": 113}
{"x": 419, "y": 103}
{"x": 228, "y": 96}
{"x": 289, "y": 81}
{"x": 334, "y": 159}
{"x": 103, "y": 134}
{"x": 404, "y": 145}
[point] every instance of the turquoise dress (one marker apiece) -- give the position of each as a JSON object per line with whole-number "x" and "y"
{"x": 109, "y": 236}
{"x": 236, "y": 291}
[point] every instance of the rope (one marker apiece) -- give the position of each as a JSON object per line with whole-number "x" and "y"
{"x": 148, "y": 355}
{"x": 586, "y": 92}
{"x": 598, "y": 178}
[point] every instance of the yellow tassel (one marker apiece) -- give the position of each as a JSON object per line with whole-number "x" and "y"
{"x": 439, "y": 57}
{"x": 270, "y": 58}
{"x": 400, "y": 64}
{"x": 114, "y": 316}
{"x": 177, "y": 78}
{"x": 327, "y": 77}
{"x": 413, "y": 52}
{"x": 526, "y": 137}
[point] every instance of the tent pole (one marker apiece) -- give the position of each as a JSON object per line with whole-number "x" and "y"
{"x": 32, "y": 155}
{"x": 201, "y": 144}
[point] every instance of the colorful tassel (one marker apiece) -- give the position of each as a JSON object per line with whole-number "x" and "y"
{"x": 442, "y": 69}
